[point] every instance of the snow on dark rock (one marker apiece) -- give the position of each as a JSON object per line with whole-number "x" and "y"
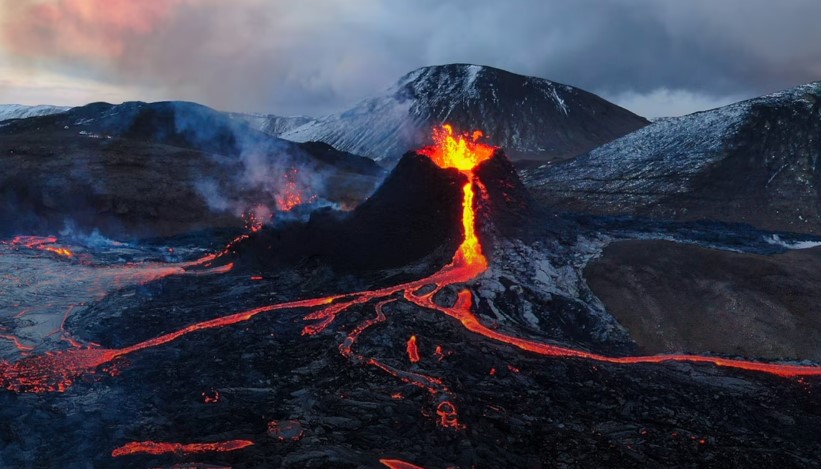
{"x": 751, "y": 162}
{"x": 529, "y": 117}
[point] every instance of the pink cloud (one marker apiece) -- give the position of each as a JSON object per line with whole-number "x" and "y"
{"x": 82, "y": 28}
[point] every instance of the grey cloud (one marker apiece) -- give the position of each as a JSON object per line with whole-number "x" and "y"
{"x": 320, "y": 56}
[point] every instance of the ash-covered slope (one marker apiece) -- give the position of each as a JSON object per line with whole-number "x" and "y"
{"x": 751, "y": 162}
{"x": 529, "y": 117}
{"x": 20, "y": 111}
{"x": 158, "y": 169}
{"x": 414, "y": 214}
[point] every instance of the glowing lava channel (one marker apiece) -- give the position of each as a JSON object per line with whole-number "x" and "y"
{"x": 42, "y": 243}
{"x": 57, "y": 371}
{"x": 153, "y": 447}
{"x": 398, "y": 464}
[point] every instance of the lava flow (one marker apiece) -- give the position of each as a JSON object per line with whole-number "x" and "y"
{"x": 153, "y": 447}
{"x": 57, "y": 371}
{"x": 399, "y": 464}
{"x": 43, "y": 243}
{"x": 413, "y": 350}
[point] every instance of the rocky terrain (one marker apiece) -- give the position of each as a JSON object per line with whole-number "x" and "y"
{"x": 531, "y": 118}
{"x": 753, "y": 162}
{"x": 675, "y": 297}
{"x": 286, "y": 398}
{"x": 139, "y": 169}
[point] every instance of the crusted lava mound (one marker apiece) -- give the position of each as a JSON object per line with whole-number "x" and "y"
{"x": 415, "y": 214}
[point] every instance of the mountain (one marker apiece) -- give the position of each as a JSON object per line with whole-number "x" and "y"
{"x": 752, "y": 162}
{"x": 19, "y": 111}
{"x": 270, "y": 123}
{"x": 138, "y": 169}
{"x": 531, "y": 118}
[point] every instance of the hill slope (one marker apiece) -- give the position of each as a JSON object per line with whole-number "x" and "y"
{"x": 751, "y": 162}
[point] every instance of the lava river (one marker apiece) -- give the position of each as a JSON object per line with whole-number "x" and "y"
{"x": 57, "y": 371}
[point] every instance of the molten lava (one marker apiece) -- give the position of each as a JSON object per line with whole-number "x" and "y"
{"x": 153, "y": 447}
{"x": 43, "y": 243}
{"x": 291, "y": 193}
{"x": 413, "y": 351}
{"x": 399, "y": 464}
{"x": 458, "y": 152}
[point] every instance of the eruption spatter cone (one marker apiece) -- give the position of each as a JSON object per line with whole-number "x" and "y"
{"x": 58, "y": 371}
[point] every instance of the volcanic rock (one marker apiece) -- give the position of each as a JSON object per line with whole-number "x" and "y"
{"x": 139, "y": 169}
{"x": 681, "y": 298}
{"x": 753, "y": 162}
{"x": 416, "y": 212}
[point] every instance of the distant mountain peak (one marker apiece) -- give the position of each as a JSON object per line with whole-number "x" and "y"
{"x": 21, "y": 111}
{"x": 530, "y": 117}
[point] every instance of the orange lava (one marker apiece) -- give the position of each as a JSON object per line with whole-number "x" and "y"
{"x": 413, "y": 351}
{"x": 291, "y": 193}
{"x": 448, "y": 418}
{"x": 461, "y": 152}
{"x": 43, "y": 243}
{"x": 18, "y": 344}
{"x": 153, "y": 447}
{"x": 399, "y": 464}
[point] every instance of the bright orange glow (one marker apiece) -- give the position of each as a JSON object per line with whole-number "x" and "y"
{"x": 471, "y": 250}
{"x": 461, "y": 152}
{"x": 292, "y": 193}
{"x": 413, "y": 351}
{"x": 399, "y": 464}
{"x": 43, "y": 243}
{"x": 153, "y": 447}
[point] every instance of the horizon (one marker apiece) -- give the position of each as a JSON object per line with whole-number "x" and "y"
{"x": 654, "y": 58}
{"x": 729, "y": 101}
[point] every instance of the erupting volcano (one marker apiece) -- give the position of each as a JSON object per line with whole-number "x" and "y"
{"x": 57, "y": 371}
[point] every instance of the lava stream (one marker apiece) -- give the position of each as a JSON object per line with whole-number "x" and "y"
{"x": 153, "y": 447}
{"x": 399, "y": 464}
{"x": 413, "y": 350}
{"x": 43, "y": 243}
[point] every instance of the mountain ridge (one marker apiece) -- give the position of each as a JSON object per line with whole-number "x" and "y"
{"x": 528, "y": 116}
{"x": 752, "y": 162}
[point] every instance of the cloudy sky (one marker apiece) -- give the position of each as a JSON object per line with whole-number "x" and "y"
{"x": 655, "y": 57}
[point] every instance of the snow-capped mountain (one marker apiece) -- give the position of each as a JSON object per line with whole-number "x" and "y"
{"x": 529, "y": 117}
{"x": 19, "y": 111}
{"x": 271, "y": 123}
{"x": 754, "y": 162}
